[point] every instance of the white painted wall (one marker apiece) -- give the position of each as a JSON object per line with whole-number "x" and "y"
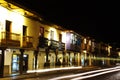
{"x": 41, "y": 60}
{"x": 30, "y": 54}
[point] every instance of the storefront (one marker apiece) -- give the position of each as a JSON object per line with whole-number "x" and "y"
{"x": 12, "y": 60}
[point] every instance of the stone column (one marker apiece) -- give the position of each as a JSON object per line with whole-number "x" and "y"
{"x": 79, "y": 59}
{"x": 56, "y": 53}
{"x": 69, "y": 58}
{"x": 90, "y": 61}
{"x": 21, "y": 61}
{"x": 2, "y": 61}
{"x": 74, "y": 59}
{"x": 47, "y": 63}
{"x": 36, "y": 58}
{"x": 63, "y": 58}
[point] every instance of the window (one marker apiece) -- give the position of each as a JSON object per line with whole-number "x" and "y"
{"x": 8, "y": 28}
{"x": 41, "y": 31}
{"x": 52, "y": 35}
{"x": 24, "y": 30}
{"x": 73, "y": 39}
{"x": 60, "y": 37}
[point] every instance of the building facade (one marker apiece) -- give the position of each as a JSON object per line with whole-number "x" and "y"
{"x": 19, "y": 32}
{"x": 26, "y": 43}
{"x": 73, "y": 48}
{"x": 51, "y": 46}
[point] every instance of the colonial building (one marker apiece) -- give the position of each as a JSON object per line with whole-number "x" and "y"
{"x": 87, "y": 49}
{"x": 73, "y": 48}
{"x": 51, "y": 46}
{"x": 26, "y": 43}
{"x": 19, "y": 32}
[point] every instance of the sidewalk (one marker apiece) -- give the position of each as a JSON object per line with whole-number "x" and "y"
{"x": 43, "y": 72}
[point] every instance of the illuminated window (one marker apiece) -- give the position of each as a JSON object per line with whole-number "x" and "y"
{"x": 90, "y": 42}
{"x": 0, "y": 52}
{"x": 52, "y": 35}
{"x": 85, "y": 41}
{"x": 73, "y": 39}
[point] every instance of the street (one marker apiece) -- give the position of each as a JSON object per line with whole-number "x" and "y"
{"x": 110, "y": 76}
{"x": 102, "y": 74}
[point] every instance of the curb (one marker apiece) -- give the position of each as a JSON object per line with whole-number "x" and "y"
{"x": 38, "y": 74}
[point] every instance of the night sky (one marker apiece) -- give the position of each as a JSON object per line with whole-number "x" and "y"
{"x": 89, "y": 18}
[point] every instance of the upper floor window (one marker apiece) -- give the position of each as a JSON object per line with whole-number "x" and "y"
{"x": 8, "y": 26}
{"x": 78, "y": 41}
{"x": 24, "y": 30}
{"x": 60, "y": 37}
{"x": 73, "y": 39}
{"x": 85, "y": 41}
{"x": 52, "y": 35}
{"x": 41, "y": 33}
{"x": 90, "y": 43}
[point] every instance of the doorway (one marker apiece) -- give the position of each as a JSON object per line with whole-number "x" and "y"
{"x": 16, "y": 60}
{"x": 15, "y": 63}
{"x": 25, "y": 62}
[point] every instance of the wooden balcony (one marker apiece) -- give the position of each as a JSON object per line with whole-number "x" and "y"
{"x": 44, "y": 42}
{"x": 61, "y": 46}
{"x": 74, "y": 47}
{"x": 56, "y": 44}
{"x": 27, "y": 42}
{"x": 10, "y": 39}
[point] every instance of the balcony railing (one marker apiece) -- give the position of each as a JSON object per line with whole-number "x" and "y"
{"x": 57, "y": 44}
{"x": 10, "y": 39}
{"x": 61, "y": 46}
{"x": 28, "y": 41}
{"x": 44, "y": 42}
{"x": 74, "y": 47}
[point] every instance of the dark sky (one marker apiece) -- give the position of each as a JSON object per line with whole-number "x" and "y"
{"x": 89, "y": 18}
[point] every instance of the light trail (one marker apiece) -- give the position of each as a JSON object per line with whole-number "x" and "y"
{"x": 93, "y": 75}
{"x": 85, "y": 73}
{"x": 53, "y": 69}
